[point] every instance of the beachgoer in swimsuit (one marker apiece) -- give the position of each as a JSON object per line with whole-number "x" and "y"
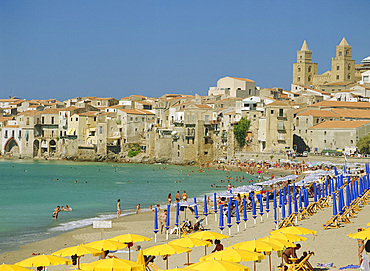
{"x": 184, "y": 196}
{"x": 56, "y": 212}
{"x": 169, "y": 198}
{"x": 177, "y": 196}
{"x": 290, "y": 252}
{"x": 162, "y": 219}
{"x": 219, "y": 246}
{"x": 360, "y": 246}
{"x": 137, "y": 208}
{"x": 118, "y": 208}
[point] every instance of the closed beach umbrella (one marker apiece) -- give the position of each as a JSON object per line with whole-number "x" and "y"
{"x": 112, "y": 264}
{"x": 234, "y": 255}
{"x": 141, "y": 260}
{"x": 261, "y": 206}
{"x": 289, "y": 203}
{"x": 275, "y": 203}
{"x": 267, "y": 204}
{"x": 335, "y": 212}
{"x": 323, "y": 190}
{"x": 177, "y": 216}
{"x": 218, "y": 265}
{"x": 348, "y": 200}
{"x": 196, "y": 208}
{"x": 229, "y": 216}
{"x": 318, "y": 191}
{"x": 205, "y": 208}
{"x": 245, "y": 218}
{"x": 130, "y": 238}
{"x": 191, "y": 242}
{"x": 165, "y": 250}
{"x": 280, "y": 198}
{"x": 11, "y": 267}
{"x": 221, "y": 223}
{"x": 237, "y": 220}
{"x": 167, "y": 221}
{"x": 254, "y": 213}
{"x": 315, "y": 192}
{"x": 155, "y": 224}
{"x": 215, "y": 205}
{"x": 283, "y": 211}
{"x": 43, "y": 260}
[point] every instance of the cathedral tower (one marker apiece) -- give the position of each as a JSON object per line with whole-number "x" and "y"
{"x": 304, "y": 69}
{"x": 342, "y": 65}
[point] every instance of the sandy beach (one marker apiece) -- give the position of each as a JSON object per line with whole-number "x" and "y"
{"x": 330, "y": 246}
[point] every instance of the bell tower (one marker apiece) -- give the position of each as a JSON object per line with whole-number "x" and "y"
{"x": 342, "y": 65}
{"x": 304, "y": 69}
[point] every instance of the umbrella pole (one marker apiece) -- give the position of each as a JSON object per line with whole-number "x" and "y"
{"x": 188, "y": 258}
{"x": 155, "y": 237}
{"x": 167, "y": 262}
{"x": 254, "y": 266}
{"x": 206, "y": 220}
{"x": 205, "y": 250}
{"x": 270, "y": 260}
{"x": 78, "y": 262}
{"x": 216, "y": 217}
{"x": 245, "y": 224}
{"x": 129, "y": 253}
{"x": 166, "y": 234}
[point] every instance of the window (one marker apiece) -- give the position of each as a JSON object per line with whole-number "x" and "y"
{"x": 340, "y": 53}
{"x": 206, "y": 118}
{"x": 101, "y": 129}
{"x": 309, "y": 78}
{"x": 142, "y": 119}
{"x": 20, "y": 134}
{"x": 52, "y": 120}
{"x": 94, "y": 118}
{"x": 281, "y": 112}
{"x": 272, "y": 112}
{"x": 6, "y": 134}
{"x": 347, "y": 52}
{"x": 76, "y": 119}
{"x": 324, "y": 140}
{"x": 337, "y": 68}
{"x": 192, "y": 118}
{"x": 299, "y": 69}
{"x": 281, "y": 125}
{"x": 309, "y": 68}
{"x": 130, "y": 118}
{"x": 349, "y": 67}
{"x": 337, "y": 77}
{"x": 28, "y": 121}
{"x": 324, "y": 132}
{"x": 299, "y": 79}
{"x": 348, "y": 76}
{"x": 42, "y": 120}
{"x": 351, "y": 141}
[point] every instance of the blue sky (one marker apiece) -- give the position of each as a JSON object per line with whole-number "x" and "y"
{"x": 69, "y": 48}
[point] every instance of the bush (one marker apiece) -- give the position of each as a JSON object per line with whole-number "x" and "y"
{"x": 240, "y": 131}
{"x": 133, "y": 153}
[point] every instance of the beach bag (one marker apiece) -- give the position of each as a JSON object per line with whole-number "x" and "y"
{"x": 367, "y": 246}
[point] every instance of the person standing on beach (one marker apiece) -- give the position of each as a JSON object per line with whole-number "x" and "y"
{"x": 169, "y": 199}
{"x": 162, "y": 219}
{"x": 118, "y": 208}
{"x": 184, "y": 196}
{"x": 177, "y": 196}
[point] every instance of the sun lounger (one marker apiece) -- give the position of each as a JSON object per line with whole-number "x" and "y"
{"x": 333, "y": 222}
{"x": 303, "y": 265}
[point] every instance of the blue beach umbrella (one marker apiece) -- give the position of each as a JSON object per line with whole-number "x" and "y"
{"x": 318, "y": 191}
{"x": 167, "y": 221}
{"x": 342, "y": 201}
{"x": 335, "y": 171}
{"x": 300, "y": 201}
{"x": 335, "y": 212}
{"x": 254, "y": 213}
{"x": 261, "y": 206}
{"x": 205, "y": 208}
{"x": 215, "y": 205}
{"x": 323, "y": 190}
{"x": 348, "y": 199}
{"x": 267, "y": 204}
{"x": 221, "y": 223}
{"x": 326, "y": 186}
{"x": 283, "y": 211}
{"x": 237, "y": 221}
{"x": 177, "y": 213}
{"x": 280, "y": 198}
{"x": 315, "y": 192}
{"x": 275, "y": 203}
{"x": 330, "y": 186}
{"x": 155, "y": 224}
{"x": 284, "y": 196}
{"x": 307, "y": 202}
{"x": 289, "y": 203}
{"x": 276, "y": 216}
{"x": 245, "y": 218}
{"x": 196, "y": 209}
{"x": 229, "y": 216}
{"x": 339, "y": 202}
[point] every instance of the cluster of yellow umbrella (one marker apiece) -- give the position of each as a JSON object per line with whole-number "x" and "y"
{"x": 364, "y": 234}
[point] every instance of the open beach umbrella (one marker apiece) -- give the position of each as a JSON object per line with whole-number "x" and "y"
{"x": 43, "y": 260}
{"x": 297, "y": 230}
{"x": 11, "y": 267}
{"x": 165, "y": 250}
{"x": 221, "y": 223}
{"x": 287, "y": 236}
{"x": 79, "y": 251}
{"x": 365, "y": 234}
{"x": 112, "y": 264}
{"x": 218, "y": 265}
{"x": 229, "y": 216}
{"x": 279, "y": 242}
{"x": 245, "y": 218}
{"x": 106, "y": 245}
{"x": 130, "y": 239}
{"x": 234, "y": 255}
{"x": 191, "y": 242}
{"x": 208, "y": 235}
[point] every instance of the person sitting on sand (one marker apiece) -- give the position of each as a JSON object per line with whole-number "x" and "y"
{"x": 290, "y": 252}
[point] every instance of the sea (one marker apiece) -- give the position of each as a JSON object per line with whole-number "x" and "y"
{"x": 31, "y": 189}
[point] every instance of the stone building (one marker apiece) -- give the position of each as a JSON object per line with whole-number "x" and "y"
{"x": 234, "y": 87}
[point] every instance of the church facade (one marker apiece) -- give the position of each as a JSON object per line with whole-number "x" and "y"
{"x": 342, "y": 68}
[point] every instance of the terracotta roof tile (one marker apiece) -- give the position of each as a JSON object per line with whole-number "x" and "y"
{"x": 243, "y": 79}
{"x": 341, "y": 124}
{"x": 137, "y": 111}
{"x": 342, "y": 104}
{"x": 319, "y": 113}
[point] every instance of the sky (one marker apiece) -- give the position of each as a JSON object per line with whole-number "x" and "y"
{"x": 64, "y": 49}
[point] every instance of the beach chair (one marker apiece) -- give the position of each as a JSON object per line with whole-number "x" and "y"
{"x": 288, "y": 221}
{"x": 303, "y": 265}
{"x": 186, "y": 227}
{"x": 199, "y": 225}
{"x": 333, "y": 222}
{"x": 152, "y": 267}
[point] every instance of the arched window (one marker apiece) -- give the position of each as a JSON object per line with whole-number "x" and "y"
{"x": 309, "y": 68}
{"x": 347, "y": 52}
{"x": 309, "y": 78}
{"x": 349, "y": 67}
{"x": 349, "y": 77}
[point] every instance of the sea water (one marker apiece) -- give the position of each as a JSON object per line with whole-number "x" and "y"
{"x": 31, "y": 189}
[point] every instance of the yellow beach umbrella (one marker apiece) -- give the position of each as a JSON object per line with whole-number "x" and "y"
{"x": 11, "y": 267}
{"x": 287, "y": 236}
{"x": 368, "y": 224}
{"x": 258, "y": 246}
{"x": 112, "y": 264}
{"x": 79, "y": 250}
{"x": 365, "y": 234}
{"x": 165, "y": 250}
{"x": 130, "y": 238}
{"x": 208, "y": 235}
{"x": 234, "y": 255}
{"x": 190, "y": 242}
{"x": 179, "y": 269}
{"x": 297, "y": 230}
{"x": 43, "y": 260}
{"x": 106, "y": 245}
{"x": 218, "y": 265}
{"x": 278, "y": 242}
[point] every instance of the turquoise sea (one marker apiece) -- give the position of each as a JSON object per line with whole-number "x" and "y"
{"x": 30, "y": 190}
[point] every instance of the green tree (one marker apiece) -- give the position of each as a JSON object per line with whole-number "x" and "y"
{"x": 363, "y": 144}
{"x": 240, "y": 131}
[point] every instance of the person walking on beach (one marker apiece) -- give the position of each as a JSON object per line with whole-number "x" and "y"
{"x": 118, "y": 208}
{"x": 162, "y": 219}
